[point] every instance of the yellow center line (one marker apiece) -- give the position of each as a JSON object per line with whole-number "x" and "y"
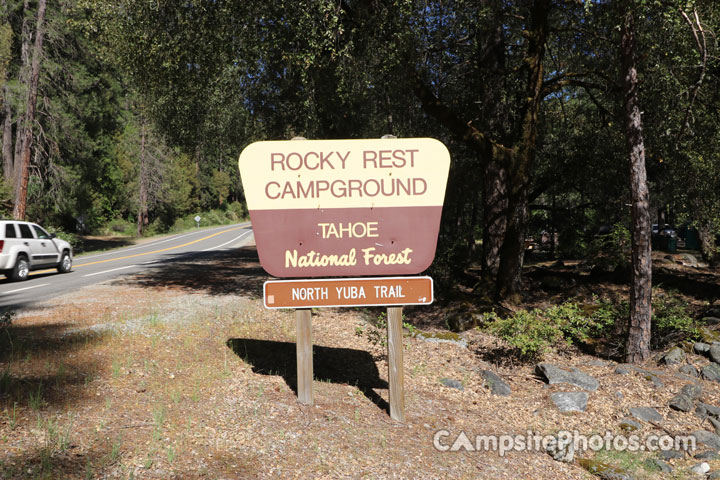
{"x": 146, "y": 253}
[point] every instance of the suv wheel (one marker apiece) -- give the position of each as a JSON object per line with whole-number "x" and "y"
{"x": 65, "y": 264}
{"x": 21, "y": 270}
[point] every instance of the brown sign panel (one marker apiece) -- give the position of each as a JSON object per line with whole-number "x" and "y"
{"x": 348, "y": 292}
{"x": 329, "y": 208}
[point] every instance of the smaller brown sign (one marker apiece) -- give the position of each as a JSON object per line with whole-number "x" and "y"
{"x": 348, "y": 292}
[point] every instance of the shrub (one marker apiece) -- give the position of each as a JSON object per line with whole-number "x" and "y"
{"x": 611, "y": 250}
{"x": 528, "y": 332}
{"x": 121, "y": 226}
{"x": 72, "y": 239}
{"x": 238, "y": 209}
{"x": 671, "y": 320}
{"x": 533, "y": 332}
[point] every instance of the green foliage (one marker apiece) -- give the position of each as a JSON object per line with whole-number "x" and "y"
{"x": 120, "y": 226}
{"x": 71, "y": 238}
{"x": 529, "y": 332}
{"x": 611, "y": 250}
{"x": 375, "y": 332}
{"x": 533, "y": 332}
{"x": 672, "y": 321}
{"x": 6, "y": 319}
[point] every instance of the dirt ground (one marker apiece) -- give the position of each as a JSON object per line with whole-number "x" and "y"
{"x": 181, "y": 373}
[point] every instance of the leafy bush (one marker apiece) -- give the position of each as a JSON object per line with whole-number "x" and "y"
{"x": 238, "y": 209}
{"x": 671, "y": 320}
{"x": 120, "y": 226}
{"x": 182, "y": 223}
{"x": 533, "y": 332}
{"x": 71, "y": 238}
{"x": 611, "y": 250}
{"x": 528, "y": 331}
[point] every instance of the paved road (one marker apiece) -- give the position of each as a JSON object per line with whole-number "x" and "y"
{"x": 96, "y": 268}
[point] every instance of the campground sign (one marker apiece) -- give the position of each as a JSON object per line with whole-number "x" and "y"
{"x": 346, "y": 208}
{"x": 329, "y": 208}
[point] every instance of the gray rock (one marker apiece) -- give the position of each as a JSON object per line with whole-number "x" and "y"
{"x": 449, "y": 382}
{"x": 575, "y": 377}
{"x": 714, "y": 353}
{"x": 711, "y": 372}
{"x": 670, "y": 455}
{"x": 707, "y": 455}
{"x": 682, "y": 403}
{"x": 700, "y": 468}
{"x": 711, "y": 410}
{"x": 646, "y": 414}
{"x": 603, "y": 470}
{"x": 714, "y": 476}
{"x": 689, "y": 260}
{"x": 708, "y": 439}
{"x": 692, "y": 391}
{"x": 622, "y": 370}
{"x": 674, "y": 357}
{"x": 701, "y": 348}
{"x": 570, "y": 401}
{"x": 658, "y": 465}
{"x": 716, "y": 425}
{"x": 561, "y": 451}
{"x": 496, "y": 384}
{"x": 630, "y": 425}
{"x": 655, "y": 380}
{"x": 596, "y": 363}
{"x": 689, "y": 370}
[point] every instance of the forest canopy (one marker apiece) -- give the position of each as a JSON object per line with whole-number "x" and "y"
{"x": 142, "y": 107}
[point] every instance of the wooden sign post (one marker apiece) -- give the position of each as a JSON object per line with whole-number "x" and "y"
{"x": 303, "y": 347}
{"x": 396, "y": 376}
{"x": 346, "y": 208}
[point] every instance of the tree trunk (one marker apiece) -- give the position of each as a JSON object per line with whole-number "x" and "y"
{"x": 708, "y": 246}
{"x": 23, "y": 77}
{"x": 494, "y": 218}
{"x": 142, "y": 218}
{"x": 7, "y": 139}
{"x": 638, "y": 339}
{"x": 520, "y": 159}
{"x": 512, "y": 165}
{"x": 23, "y": 168}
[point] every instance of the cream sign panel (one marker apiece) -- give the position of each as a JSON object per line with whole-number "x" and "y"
{"x": 345, "y": 207}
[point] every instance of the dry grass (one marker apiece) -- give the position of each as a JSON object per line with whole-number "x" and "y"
{"x": 162, "y": 377}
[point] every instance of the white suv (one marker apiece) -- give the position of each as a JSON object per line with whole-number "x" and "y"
{"x": 26, "y": 246}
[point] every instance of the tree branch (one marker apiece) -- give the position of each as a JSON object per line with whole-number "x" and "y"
{"x": 701, "y": 42}
{"x": 473, "y": 137}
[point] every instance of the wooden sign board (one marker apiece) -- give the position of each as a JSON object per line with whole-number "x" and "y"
{"x": 348, "y": 292}
{"x": 340, "y": 208}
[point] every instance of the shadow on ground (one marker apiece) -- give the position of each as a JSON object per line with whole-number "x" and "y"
{"x": 236, "y": 271}
{"x": 48, "y": 461}
{"x": 335, "y": 365}
{"x": 702, "y": 285}
{"x": 92, "y": 243}
{"x": 38, "y": 368}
